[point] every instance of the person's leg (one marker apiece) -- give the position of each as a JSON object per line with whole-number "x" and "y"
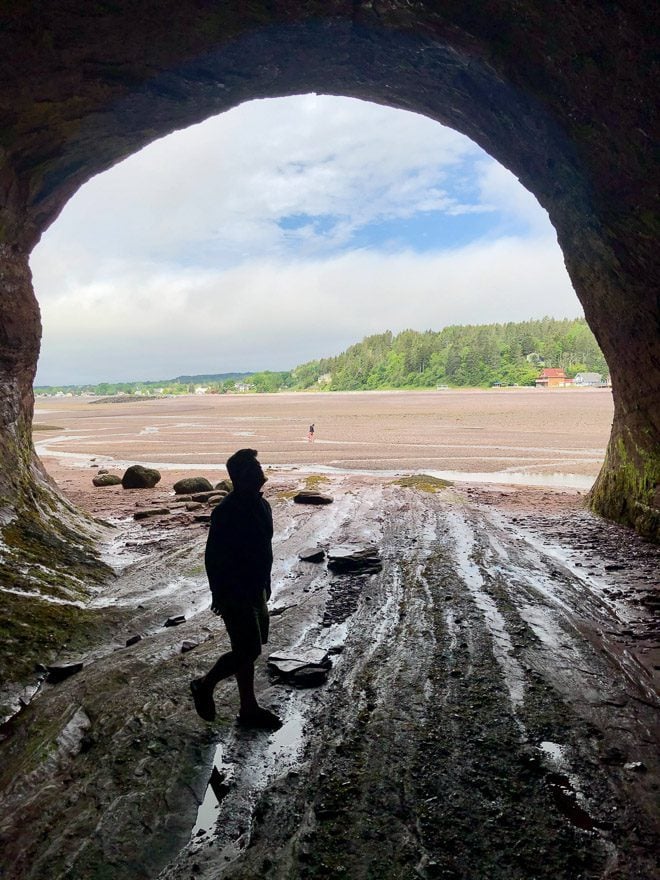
{"x": 247, "y": 626}
{"x": 245, "y": 680}
{"x": 222, "y": 668}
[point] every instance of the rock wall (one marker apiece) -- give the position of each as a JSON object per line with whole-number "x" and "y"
{"x": 566, "y": 101}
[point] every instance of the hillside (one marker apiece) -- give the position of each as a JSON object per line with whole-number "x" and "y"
{"x": 462, "y": 356}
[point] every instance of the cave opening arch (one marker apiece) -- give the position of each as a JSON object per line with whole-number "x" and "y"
{"x": 558, "y": 102}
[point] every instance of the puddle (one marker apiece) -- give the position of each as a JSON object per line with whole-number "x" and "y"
{"x": 557, "y": 479}
{"x": 242, "y": 767}
{"x": 286, "y": 743}
{"x": 219, "y": 784}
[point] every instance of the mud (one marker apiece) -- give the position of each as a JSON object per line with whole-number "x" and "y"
{"x": 491, "y": 711}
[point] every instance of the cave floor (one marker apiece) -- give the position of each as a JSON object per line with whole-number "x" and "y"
{"x": 491, "y": 711}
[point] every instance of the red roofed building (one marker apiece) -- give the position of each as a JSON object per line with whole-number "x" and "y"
{"x": 553, "y": 377}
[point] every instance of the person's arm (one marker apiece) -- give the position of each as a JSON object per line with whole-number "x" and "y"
{"x": 215, "y": 556}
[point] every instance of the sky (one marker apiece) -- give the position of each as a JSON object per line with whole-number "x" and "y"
{"x": 283, "y": 231}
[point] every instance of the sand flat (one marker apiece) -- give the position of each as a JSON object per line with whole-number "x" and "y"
{"x": 460, "y": 432}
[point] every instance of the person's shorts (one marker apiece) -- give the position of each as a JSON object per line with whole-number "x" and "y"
{"x": 247, "y": 625}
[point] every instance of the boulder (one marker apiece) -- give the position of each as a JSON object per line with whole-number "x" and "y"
{"x": 225, "y": 485}
{"x": 106, "y": 479}
{"x": 312, "y": 554}
{"x": 307, "y": 496}
{"x": 194, "y": 505}
{"x": 139, "y": 477}
{"x": 177, "y": 620}
{"x": 133, "y": 640}
{"x": 192, "y": 484}
{"x": 151, "y": 511}
{"x": 188, "y": 646}
{"x": 349, "y": 560}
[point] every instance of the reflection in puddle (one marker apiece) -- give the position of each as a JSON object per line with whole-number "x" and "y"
{"x": 218, "y": 787}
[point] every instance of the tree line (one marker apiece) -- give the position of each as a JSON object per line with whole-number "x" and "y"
{"x": 458, "y": 356}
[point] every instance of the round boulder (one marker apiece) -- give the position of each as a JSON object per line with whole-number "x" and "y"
{"x": 106, "y": 479}
{"x": 225, "y": 485}
{"x": 192, "y": 484}
{"x": 139, "y": 477}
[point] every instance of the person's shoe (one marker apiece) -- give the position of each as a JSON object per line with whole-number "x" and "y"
{"x": 261, "y": 719}
{"x": 203, "y": 699}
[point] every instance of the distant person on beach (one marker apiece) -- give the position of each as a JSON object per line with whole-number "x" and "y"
{"x": 310, "y": 435}
{"x": 238, "y": 561}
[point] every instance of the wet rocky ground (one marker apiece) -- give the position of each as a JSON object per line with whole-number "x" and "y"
{"x": 491, "y": 711}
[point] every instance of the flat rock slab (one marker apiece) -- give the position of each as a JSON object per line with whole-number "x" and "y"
{"x": 303, "y": 668}
{"x": 307, "y": 497}
{"x": 204, "y": 496}
{"x": 312, "y": 554}
{"x": 151, "y": 511}
{"x": 345, "y": 560}
{"x": 58, "y": 673}
{"x": 175, "y": 621}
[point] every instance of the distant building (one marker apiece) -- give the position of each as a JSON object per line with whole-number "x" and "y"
{"x": 201, "y": 389}
{"x": 593, "y": 380}
{"x": 553, "y": 377}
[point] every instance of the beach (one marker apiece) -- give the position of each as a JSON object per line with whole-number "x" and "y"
{"x": 522, "y": 436}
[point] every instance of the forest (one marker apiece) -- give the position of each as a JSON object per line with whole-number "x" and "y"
{"x": 460, "y": 356}
{"x": 475, "y": 355}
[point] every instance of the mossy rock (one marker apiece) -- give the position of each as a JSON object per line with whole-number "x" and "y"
{"x": 225, "y": 485}
{"x": 139, "y": 477}
{"x": 106, "y": 480}
{"x": 423, "y": 483}
{"x": 190, "y": 485}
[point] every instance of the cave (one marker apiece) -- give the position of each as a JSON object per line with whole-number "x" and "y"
{"x": 565, "y": 101}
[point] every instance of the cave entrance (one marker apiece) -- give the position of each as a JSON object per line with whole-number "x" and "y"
{"x": 541, "y": 96}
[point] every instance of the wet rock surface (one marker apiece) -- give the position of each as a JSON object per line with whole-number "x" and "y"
{"x": 487, "y": 714}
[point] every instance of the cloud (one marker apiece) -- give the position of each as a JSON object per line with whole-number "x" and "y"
{"x": 276, "y": 314}
{"x": 282, "y": 231}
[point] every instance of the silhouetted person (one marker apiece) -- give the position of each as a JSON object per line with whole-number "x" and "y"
{"x": 238, "y": 560}
{"x": 310, "y": 435}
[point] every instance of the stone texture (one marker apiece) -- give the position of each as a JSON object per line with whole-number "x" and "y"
{"x": 566, "y": 101}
